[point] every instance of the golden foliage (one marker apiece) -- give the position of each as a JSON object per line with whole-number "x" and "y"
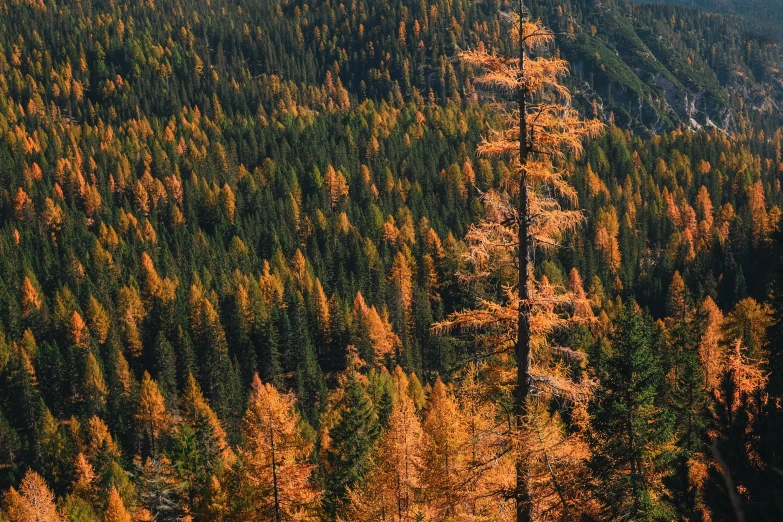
{"x": 151, "y": 413}
{"x": 275, "y": 467}
{"x": 373, "y": 334}
{"x": 196, "y": 411}
{"x": 537, "y": 139}
{"x": 98, "y": 320}
{"x": 711, "y": 353}
{"x": 336, "y": 185}
{"x": 402, "y": 276}
{"x": 34, "y": 502}
{"x": 31, "y": 300}
{"x": 115, "y": 510}
{"x": 389, "y": 492}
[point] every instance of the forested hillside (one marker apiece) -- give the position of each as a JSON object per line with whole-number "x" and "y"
{"x": 764, "y": 15}
{"x": 234, "y": 235}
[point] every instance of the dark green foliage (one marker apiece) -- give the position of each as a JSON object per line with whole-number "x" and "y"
{"x": 10, "y": 448}
{"x": 198, "y": 139}
{"x": 632, "y": 429}
{"x": 352, "y": 440}
{"x": 164, "y": 364}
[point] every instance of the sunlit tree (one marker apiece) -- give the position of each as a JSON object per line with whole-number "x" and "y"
{"x": 537, "y": 138}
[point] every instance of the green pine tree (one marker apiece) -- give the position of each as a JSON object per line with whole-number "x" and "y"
{"x": 352, "y": 440}
{"x": 631, "y": 430}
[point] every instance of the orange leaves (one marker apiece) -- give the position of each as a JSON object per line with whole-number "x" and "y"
{"x": 155, "y": 286}
{"x": 31, "y": 299}
{"x": 227, "y": 201}
{"x": 23, "y": 205}
{"x": 52, "y": 217}
{"x": 446, "y": 453}
{"x": 276, "y": 471}
{"x": 758, "y": 212}
{"x": 196, "y": 412}
{"x": 748, "y": 321}
{"x": 34, "y": 502}
{"x": 711, "y": 353}
{"x": 131, "y": 313}
{"x": 151, "y": 414}
{"x": 373, "y": 334}
{"x": 393, "y": 482}
{"x": 748, "y": 380}
{"x": 78, "y": 332}
{"x": 98, "y": 320}
{"x": 401, "y": 275}
{"x": 336, "y": 185}
{"x": 115, "y": 510}
{"x": 606, "y": 236}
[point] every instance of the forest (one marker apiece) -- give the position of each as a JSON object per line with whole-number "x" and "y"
{"x": 389, "y": 260}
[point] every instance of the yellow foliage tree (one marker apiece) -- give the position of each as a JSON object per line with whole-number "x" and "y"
{"x": 389, "y": 492}
{"x": 34, "y": 502}
{"x": 276, "y": 474}
{"x": 115, "y": 510}
{"x": 536, "y": 138}
{"x": 373, "y": 334}
{"x": 151, "y": 414}
{"x": 445, "y": 455}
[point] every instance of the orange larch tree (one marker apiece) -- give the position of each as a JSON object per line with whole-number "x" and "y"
{"x": 537, "y": 137}
{"x": 34, "y": 502}
{"x": 276, "y": 474}
{"x": 389, "y": 492}
{"x": 154, "y": 421}
{"x": 115, "y": 511}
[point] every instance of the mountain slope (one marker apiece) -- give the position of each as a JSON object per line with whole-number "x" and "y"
{"x": 656, "y": 67}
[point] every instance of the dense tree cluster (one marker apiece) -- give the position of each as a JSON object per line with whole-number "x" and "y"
{"x": 235, "y": 239}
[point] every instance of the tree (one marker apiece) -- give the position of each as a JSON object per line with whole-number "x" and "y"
{"x": 34, "y": 502}
{"x": 349, "y": 445}
{"x": 631, "y": 431}
{"x": 389, "y": 492}
{"x": 445, "y": 455}
{"x": 373, "y": 335}
{"x": 151, "y": 414}
{"x": 536, "y": 138}
{"x": 115, "y": 510}
{"x": 736, "y": 481}
{"x": 199, "y": 447}
{"x": 276, "y": 473}
{"x": 95, "y": 388}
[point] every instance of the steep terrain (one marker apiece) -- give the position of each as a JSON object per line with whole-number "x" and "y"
{"x": 656, "y": 67}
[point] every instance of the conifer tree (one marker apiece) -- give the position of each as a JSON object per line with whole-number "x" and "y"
{"x": 735, "y": 483}
{"x": 34, "y": 502}
{"x": 632, "y": 431}
{"x": 151, "y": 415}
{"x": 445, "y": 455}
{"x": 95, "y": 389}
{"x": 390, "y": 489}
{"x": 115, "y": 510}
{"x": 200, "y": 450}
{"x": 351, "y": 441}
{"x": 536, "y": 137}
{"x": 276, "y": 475}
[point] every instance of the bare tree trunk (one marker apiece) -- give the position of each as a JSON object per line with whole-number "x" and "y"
{"x": 522, "y": 493}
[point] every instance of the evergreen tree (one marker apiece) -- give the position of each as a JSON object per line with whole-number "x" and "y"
{"x": 351, "y": 442}
{"x": 389, "y": 490}
{"x": 199, "y": 449}
{"x": 631, "y": 430}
